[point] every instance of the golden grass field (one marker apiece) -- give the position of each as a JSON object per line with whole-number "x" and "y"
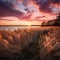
{"x": 30, "y": 44}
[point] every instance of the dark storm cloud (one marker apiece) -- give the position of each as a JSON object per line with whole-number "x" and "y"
{"x": 25, "y": 2}
{"x": 55, "y": 1}
{"x": 6, "y": 9}
{"x": 45, "y": 5}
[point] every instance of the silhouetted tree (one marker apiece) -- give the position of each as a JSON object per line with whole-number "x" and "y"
{"x": 55, "y": 22}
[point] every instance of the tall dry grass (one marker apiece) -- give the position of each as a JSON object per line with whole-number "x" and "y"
{"x": 29, "y": 44}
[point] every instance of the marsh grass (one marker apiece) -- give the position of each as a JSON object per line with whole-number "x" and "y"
{"x": 29, "y": 44}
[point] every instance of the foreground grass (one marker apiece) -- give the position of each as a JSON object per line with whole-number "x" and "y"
{"x": 29, "y": 44}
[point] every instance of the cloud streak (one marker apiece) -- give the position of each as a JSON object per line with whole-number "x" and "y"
{"x": 6, "y": 9}
{"x": 45, "y": 5}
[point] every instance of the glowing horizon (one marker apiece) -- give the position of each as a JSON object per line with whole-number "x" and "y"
{"x": 20, "y": 23}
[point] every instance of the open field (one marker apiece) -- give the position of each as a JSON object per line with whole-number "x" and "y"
{"x": 30, "y": 44}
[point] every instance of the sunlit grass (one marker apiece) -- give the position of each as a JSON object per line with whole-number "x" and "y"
{"x": 21, "y": 41}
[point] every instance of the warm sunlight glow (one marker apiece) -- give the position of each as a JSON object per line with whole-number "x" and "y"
{"x": 29, "y": 24}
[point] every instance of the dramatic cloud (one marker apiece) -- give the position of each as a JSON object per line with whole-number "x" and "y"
{"x": 6, "y": 9}
{"x": 45, "y": 5}
{"x": 29, "y": 10}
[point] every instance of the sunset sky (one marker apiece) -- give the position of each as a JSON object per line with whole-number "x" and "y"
{"x": 28, "y": 12}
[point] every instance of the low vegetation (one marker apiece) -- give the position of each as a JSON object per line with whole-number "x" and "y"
{"x": 29, "y": 44}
